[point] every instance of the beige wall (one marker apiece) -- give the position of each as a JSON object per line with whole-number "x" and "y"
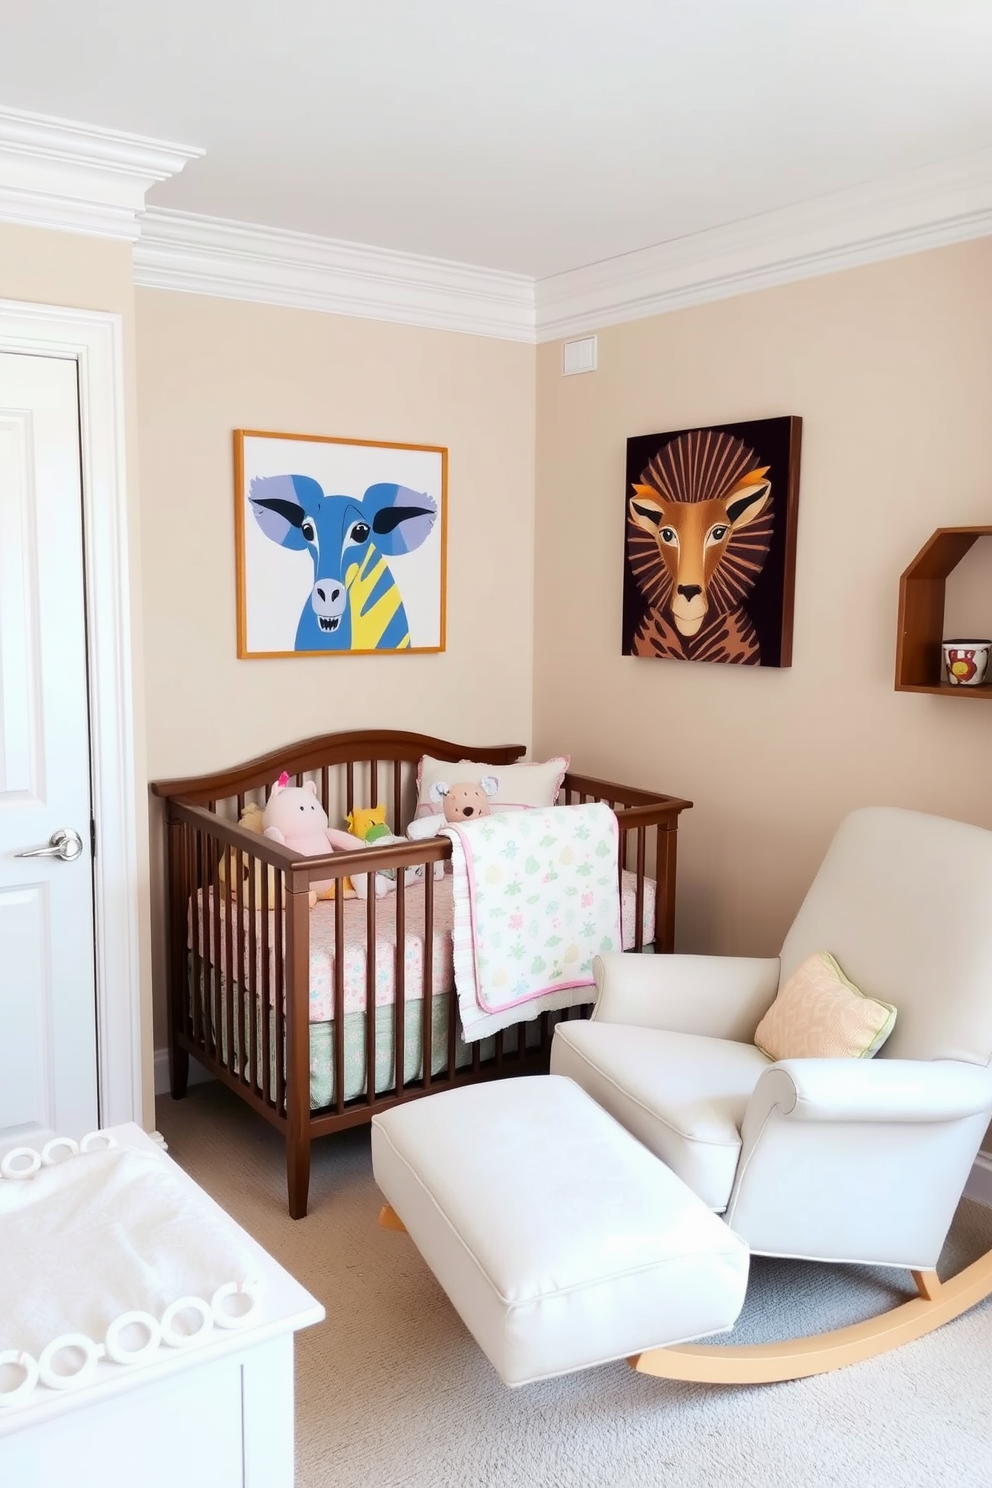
{"x": 52, "y": 268}
{"x": 209, "y": 366}
{"x": 890, "y": 367}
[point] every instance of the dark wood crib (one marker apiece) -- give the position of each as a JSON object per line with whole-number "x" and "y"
{"x": 241, "y": 994}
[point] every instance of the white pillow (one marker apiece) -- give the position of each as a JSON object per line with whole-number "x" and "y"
{"x": 519, "y": 786}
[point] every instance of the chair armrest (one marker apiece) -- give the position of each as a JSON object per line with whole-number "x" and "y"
{"x": 718, "y": 996}
{"x": 870, "y": 1090}
{"x": 860, "y": 1160}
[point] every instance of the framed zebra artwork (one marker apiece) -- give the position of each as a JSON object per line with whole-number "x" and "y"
{"x": 340, "y": 545}
{"x": 710, "y": 543}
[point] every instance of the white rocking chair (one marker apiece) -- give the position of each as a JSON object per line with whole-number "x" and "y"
{"x": 844, "y": 1160}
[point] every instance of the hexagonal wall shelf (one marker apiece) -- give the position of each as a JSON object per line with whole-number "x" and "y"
{"x": 921, "y": 613}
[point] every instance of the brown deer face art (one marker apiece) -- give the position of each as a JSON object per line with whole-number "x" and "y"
{"x": 693, "y": 539}
{"x": 700, "y": 524}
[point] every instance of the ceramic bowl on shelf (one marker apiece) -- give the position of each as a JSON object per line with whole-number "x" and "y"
{"x": 967, "y": 662}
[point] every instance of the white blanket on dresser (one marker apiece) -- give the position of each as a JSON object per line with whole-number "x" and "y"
{"x": 101, "y": 1234}
{"x": 536, "y": 897}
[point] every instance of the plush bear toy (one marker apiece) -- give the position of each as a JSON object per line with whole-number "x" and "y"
{"x": 294, "y": 816}
{"x": 458, "y": 803}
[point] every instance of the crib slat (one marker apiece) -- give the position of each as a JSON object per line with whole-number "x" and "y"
{"x": 228, "y": 908}
{"x": 279, "y": 937}
{"x": 298, "y": 1047}
{"x": 397, "y": 821}
{"x": 427, "y": 997}
{"x": 196, "y": 968}
{"x": 266, "y": 1010}
{"x": 240, "y": 928}
{"x": 370, "y": 960}
{"x": 338, "y": 1025}
{"x": 374, "y": 783}
{"x": 639, "y": 892}
{"x": 215, "y": 1029}
{"x": 202, "y": 879}
{"x": 325, "y": 788}
{"x": 349, "y": 777}
{"x": 452, "y": 1031}
{"x": 255, "y": 1005}
{"x": 178, "y": 956}
{"x": 399, "y": 984}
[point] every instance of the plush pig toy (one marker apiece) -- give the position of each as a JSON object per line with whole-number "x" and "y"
{"x": 294, "y": 816}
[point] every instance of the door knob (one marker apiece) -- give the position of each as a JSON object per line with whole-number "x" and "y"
{"x": 65, "y": 844}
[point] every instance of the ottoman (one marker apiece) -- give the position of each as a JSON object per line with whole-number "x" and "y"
{"x": 561, "y": 1241}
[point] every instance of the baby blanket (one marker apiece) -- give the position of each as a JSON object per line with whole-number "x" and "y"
{"x": 536, "y": 897}
{"x": 89, "y": 1240}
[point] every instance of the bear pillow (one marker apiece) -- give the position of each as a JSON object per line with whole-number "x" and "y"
{"x": 517, "y": 786}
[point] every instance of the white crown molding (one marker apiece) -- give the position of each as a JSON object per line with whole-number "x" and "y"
{"x": 79, "y": 178}
{"x": 929, "y": 207}
{"x": 236, "y": 260}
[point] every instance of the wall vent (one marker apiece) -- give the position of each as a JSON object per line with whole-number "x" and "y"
{"x": 578, "y": 356}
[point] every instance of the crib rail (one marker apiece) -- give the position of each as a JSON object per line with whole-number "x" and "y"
{"x": 239, "y": 942}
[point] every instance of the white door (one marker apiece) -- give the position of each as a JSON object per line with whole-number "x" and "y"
{"x": 48, "y": 1049}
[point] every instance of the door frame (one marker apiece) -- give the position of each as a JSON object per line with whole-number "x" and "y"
{"x": 94, "y": 340}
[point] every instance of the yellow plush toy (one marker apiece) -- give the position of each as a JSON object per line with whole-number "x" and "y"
{"x": 369, "y": 823}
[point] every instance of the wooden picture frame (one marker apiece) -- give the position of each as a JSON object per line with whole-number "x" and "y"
{"x": 341, "y": 545}
{"x": 710, "y": 517}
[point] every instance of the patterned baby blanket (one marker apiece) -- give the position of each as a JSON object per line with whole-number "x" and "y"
{"x": 536, "y": 897}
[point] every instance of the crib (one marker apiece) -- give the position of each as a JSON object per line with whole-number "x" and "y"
{"x": 318, "y": 1018}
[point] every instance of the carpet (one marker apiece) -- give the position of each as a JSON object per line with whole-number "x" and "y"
{"x": 393, "y": 1392}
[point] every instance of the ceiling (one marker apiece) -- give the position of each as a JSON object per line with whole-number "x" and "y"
{"x": 531, "y": 136}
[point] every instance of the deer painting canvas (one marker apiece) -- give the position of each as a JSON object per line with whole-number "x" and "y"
{"x": 710, "y": 543}
{"x": 340, "y": 545}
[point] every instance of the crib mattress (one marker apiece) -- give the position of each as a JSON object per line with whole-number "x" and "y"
{"x": 322, "y": 945}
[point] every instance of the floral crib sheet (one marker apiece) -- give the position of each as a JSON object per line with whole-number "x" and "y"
{"x": 322, "y": 945}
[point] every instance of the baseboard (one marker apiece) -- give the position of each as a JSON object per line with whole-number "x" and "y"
{"x": 979, "y": 1185}
{"x": 197, "y": 1073}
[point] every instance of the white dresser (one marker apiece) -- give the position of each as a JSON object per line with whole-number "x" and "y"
{"x": 216, "y": 1415}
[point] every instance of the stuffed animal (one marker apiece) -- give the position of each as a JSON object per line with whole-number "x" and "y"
{"x": 369, "y": 823}
{"x": 251, "y": 817}
{"x": 458, "y": 803}
{"x": 251, "y": 820}
{"x": 294, "y": 816}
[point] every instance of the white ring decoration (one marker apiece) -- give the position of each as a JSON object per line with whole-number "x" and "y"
{"x": 53, "y": 1146}
{"x": 226, "y": 1319}
{"x": 8, "y": 1170}
{"x": 186, "y": 1304}
{"x": 104, "y": 1139}
{"x": 83, "y": 1375}
{"x": 116, "y": 1349}
{"x": 30, "y": 1367}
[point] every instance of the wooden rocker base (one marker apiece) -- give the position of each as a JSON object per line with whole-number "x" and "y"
{"x": 797, "y": 1358}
